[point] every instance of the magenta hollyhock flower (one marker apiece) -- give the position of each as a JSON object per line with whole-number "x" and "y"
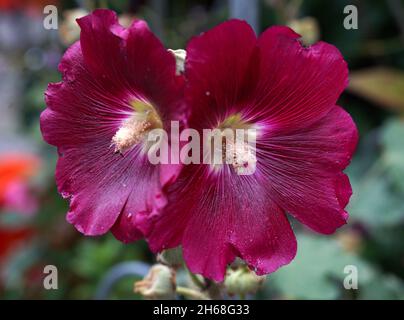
{"x": 118, "y": 84}
{"x": 288, "y": 93}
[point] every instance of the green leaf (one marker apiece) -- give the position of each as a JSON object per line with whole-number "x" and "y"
{"x": 318, "y": 270}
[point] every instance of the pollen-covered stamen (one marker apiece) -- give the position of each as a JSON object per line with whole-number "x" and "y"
{"x": 131, "y": 133}
{"x": 240, "y": 155}
{"x": 134, "y": 129}
{"x": 237, "y": 147}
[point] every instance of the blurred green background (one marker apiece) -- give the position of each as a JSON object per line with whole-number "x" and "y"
{"x": 33, "y": 230}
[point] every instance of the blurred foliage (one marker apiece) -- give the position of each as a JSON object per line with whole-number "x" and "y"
{"x": 373, "y": 239}
{"x": 368, "y": 83}
{"x": 318, "y": 273}
{"x": 321, "y": 260}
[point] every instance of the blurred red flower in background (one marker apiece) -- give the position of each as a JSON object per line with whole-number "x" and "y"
{"x": 16, "y": 172}
{"x": 10, "y": 239}
{"x": 34, "y": 6}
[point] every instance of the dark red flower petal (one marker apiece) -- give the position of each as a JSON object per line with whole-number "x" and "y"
{"x": 227, "y": 217}
{"x": 103, "y": 46}
{"x": 152, "y": 69}
{"x": 297, "y": 85}
{"x": 221, "y": 72}
{"x": 304, "y": 170}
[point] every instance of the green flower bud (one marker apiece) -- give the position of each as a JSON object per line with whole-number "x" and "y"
{"x": 159, "y": 283}
{"x": 242, "y": 281}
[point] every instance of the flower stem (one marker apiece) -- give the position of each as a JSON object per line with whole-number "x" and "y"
{"x": 200, "y": 283}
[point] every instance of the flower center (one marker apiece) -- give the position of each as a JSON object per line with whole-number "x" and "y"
{"x": 238, "y": 139}
{"x": 134, "y": 129}
{"x": 240, "y": 155}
